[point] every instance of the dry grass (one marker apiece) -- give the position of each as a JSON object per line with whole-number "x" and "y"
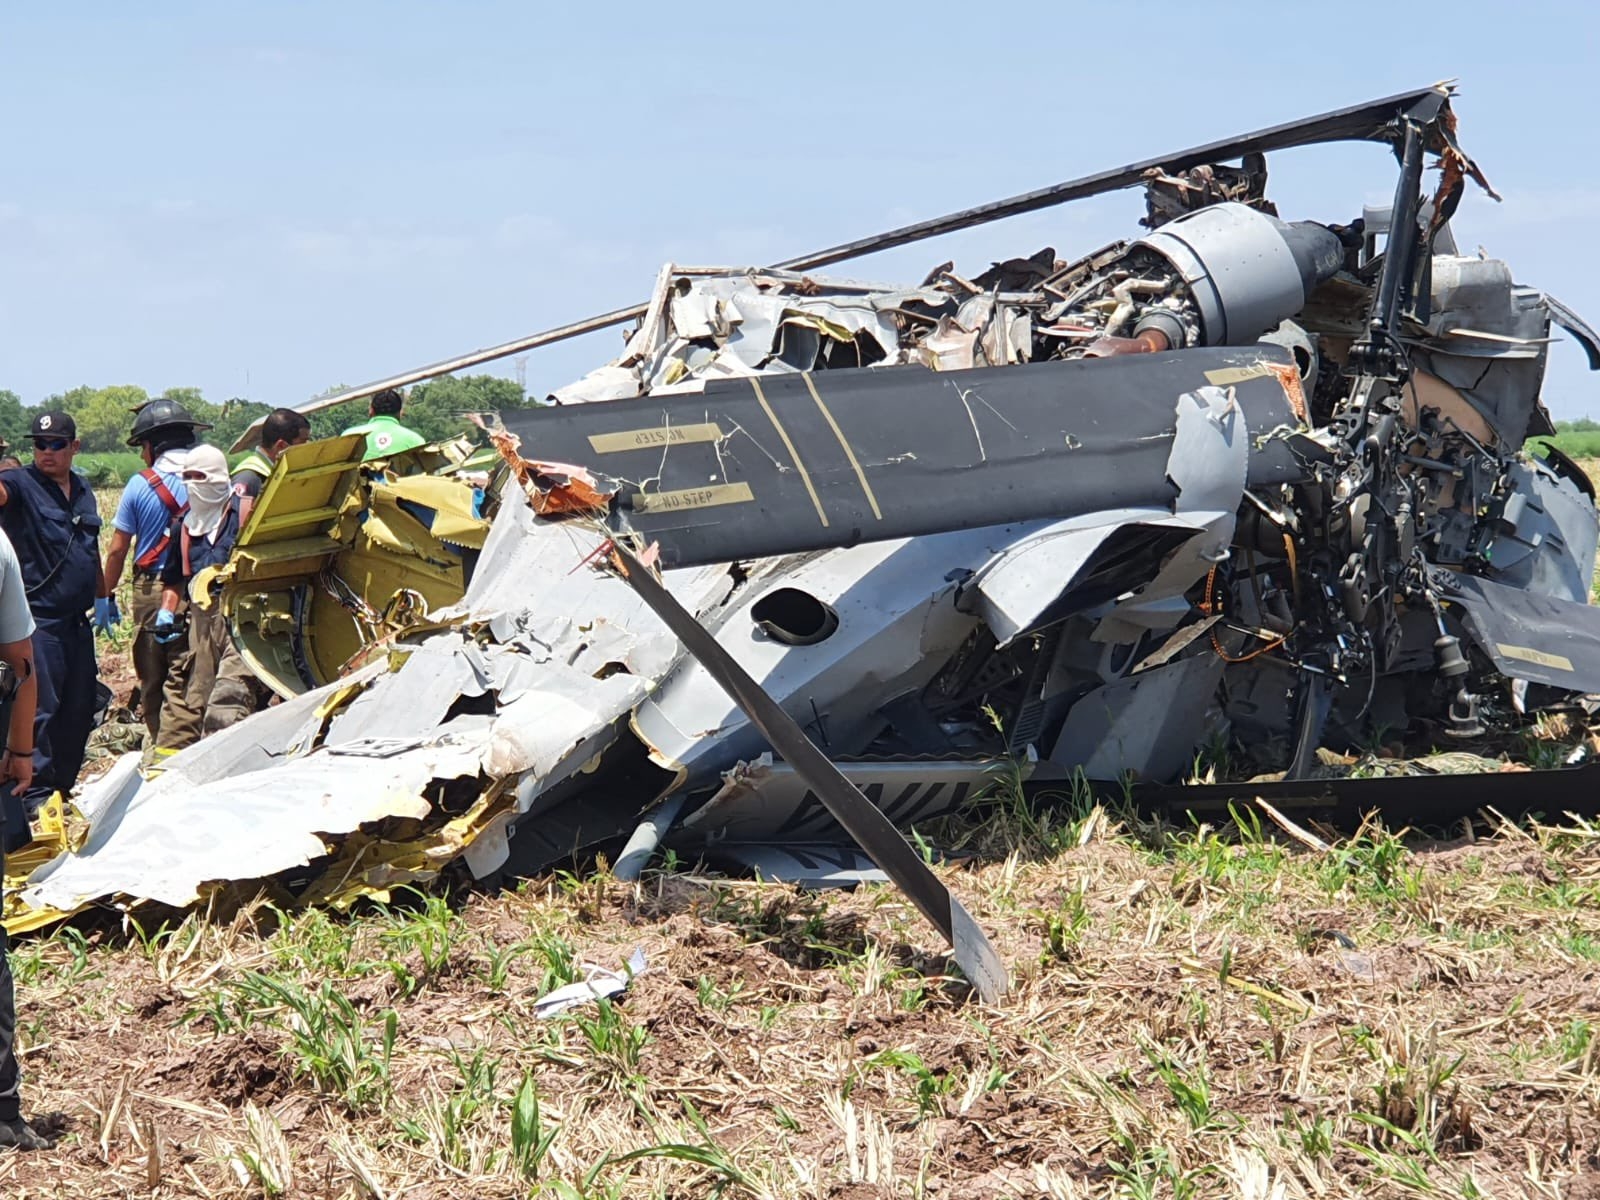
{"x": 1195, "y": 1014}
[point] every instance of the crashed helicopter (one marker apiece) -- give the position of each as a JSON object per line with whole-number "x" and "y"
{"x": 1240, "y": 478}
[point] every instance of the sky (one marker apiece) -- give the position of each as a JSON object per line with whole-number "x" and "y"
{"x": 267, "y": 200}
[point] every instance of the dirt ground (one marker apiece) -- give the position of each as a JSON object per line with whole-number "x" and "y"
{"x": 1193, "y": 1014}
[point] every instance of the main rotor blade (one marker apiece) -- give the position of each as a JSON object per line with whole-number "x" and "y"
{"x": 1360, "y": 122}
{"x": 787, "y": 464}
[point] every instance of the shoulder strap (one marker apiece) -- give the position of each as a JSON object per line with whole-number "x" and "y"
{"x": 153, "y": 555}
{"x": 163, "y": 492}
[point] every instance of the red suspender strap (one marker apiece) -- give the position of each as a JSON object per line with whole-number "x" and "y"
{"x": 151, "y": 558}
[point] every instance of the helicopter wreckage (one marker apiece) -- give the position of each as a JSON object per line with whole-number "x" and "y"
{"x": 1238, "y": 480}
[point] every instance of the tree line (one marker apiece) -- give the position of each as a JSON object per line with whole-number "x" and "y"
{"x": 435, "y": 409}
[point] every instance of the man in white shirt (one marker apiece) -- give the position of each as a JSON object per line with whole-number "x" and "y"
{"x": 16, "y": 773}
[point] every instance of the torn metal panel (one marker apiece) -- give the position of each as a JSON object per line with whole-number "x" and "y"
{"x": 1580, "y": 329}
{"x": 762, "y": 799}
{"x": 896, "y": 622}
{"x": 413, "y": 700}
{"x": 1147, "y": 726}
{"x": 1209, "y": 462}
{"x": 1543, "y": 533}
{"x": 266, "y": 738}
{"x": 525, "y": 560}
{"x": 597, "y": 984}
{"x": 1076, "y": 565}
{"x": 539, "y": 730}
{"x": 172, "y": 838}
{"x": 1530, "y": 636}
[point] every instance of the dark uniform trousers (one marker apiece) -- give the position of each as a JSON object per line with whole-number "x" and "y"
{"x": 64, "y": 664}
{"x": 10, "y": 1076}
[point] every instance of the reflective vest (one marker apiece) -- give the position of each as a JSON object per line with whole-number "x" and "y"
{"x": 386, "y": 436}
{"x": 256, "y": 463}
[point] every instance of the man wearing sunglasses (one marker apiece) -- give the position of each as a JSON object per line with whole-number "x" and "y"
{"x": 49, "y": 513}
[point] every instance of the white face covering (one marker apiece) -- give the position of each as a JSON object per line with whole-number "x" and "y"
{"x": 173, "y": 462}
{"x": 205, "y": 474}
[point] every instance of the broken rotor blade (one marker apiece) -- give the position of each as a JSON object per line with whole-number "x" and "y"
{"x": 861, "y": 819}
{"x": 1369, "y": 121}
{"x": 788, "y": 464}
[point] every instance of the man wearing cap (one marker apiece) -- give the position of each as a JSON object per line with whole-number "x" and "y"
{"x": 49, "y": 513}
{"x": 164, "y": 431}
{"x": 382, "y": 429}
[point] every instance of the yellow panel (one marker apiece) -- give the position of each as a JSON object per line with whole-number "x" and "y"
{"x": 331, "y": 549}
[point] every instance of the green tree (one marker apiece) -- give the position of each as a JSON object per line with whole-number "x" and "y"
{"x": 15, "y": 420}
{"x": 103, "y": 415}
{"x": 436, "y": 409}
{"x": 233, "y": 417}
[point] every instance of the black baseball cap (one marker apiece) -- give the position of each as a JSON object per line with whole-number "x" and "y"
{"x": 54, "y": 425}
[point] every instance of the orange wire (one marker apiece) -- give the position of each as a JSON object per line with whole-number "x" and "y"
{"x": 1206, "y": 606}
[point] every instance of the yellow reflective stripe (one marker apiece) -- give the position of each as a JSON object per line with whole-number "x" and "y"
{"x": 861, "y": 476}
{"x": 805, "y": 476}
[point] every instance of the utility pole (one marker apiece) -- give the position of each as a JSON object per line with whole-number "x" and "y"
{"x": 522, "y": 375}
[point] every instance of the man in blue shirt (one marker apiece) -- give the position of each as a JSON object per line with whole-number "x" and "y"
{"x": 165, "y": 432}
{"x": 49, "y": 513}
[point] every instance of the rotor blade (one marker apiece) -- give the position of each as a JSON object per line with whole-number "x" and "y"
{"x": 786, "y": 464}
{"x": 861, "y": 819}
{"x": 1360, "y": 122}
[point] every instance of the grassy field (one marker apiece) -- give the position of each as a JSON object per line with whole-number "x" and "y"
{"x": 1197, "y": 1012}
{"x": 1580, "y": 444}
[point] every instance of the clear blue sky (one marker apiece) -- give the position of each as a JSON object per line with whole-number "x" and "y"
{"x": 304, "y": 194}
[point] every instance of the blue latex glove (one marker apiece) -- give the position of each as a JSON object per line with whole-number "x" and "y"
{"x": 166, "y": 629}
{"x": 106, "y": 614}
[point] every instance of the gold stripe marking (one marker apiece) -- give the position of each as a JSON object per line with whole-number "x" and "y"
{"x": 687, "y": 498}
{"x": 650, "y": 439}
{"x": 1555, "y": 662}
{"x": 1226, "y": 376}
{"x": 861, "y": 476}
{"x": 805, "y": 476}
